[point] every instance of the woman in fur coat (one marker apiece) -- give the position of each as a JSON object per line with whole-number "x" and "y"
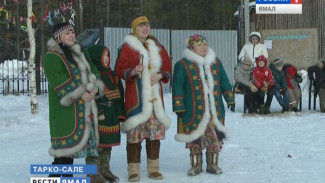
{"x": 199, "y": 85}
{"x": 73, "y": 85}
{"x": 144, "y": 64}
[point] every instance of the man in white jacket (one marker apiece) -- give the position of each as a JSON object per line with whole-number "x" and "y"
{"x": 254, "y": 48}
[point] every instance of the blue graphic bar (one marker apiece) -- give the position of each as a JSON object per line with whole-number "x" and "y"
{"x": 62, "y": 169}
{"x": 273, "y": 1}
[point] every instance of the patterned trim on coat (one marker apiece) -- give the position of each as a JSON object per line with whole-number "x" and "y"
{"x": 74, "y": 138}
{"x": 137, "y": 97}
{"x": 68, "y": 85}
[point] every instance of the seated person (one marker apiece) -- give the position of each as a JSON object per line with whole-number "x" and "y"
{"x": 280, "y": 84}
{"x": 293, "y": 80}
{"x": 319, "y": 81}
{"x": 263, "y": 80}
{"x": 243, "y": 78}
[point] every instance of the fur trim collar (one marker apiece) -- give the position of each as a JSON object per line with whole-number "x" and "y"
{"x": 52, "y": 45}
{"x": 193, "y": 57}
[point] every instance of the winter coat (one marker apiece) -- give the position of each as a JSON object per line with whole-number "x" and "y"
{"x": 279, "y": 77}
{"x": 141, "y": 98}
{"x": 198, "y": 86}
{"x": 262, "y": 75}
{"x": 319, "y": 80}
{"x": 243, "y": 76}
{"x": 111, "y": 105}
{"x": 252, "y": 51}
{"x": 69, "y": 116}
{"x": 297, "y": 78}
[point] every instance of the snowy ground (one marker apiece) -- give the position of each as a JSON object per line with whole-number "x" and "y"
{"x": 262, "y": 149}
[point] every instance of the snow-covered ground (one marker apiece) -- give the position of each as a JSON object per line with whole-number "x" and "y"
{"x": 278, "y": 148}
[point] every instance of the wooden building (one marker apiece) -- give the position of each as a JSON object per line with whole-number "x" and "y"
{"x": 313, "y": 16}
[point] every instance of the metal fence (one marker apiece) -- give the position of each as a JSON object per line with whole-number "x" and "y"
{"x": 14, "y": 78}
{"x": 223, "y": 42}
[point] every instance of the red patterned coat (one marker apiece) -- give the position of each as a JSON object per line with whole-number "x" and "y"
{"x": 139, "y": 92}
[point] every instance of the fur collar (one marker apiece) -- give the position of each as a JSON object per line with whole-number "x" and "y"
{"x": 52, "y": 45}
{"x": 193, "y": 57}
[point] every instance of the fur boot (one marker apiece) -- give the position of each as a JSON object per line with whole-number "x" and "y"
{"x": 98, "y": 178}
{"x": 105, "y": 171}
{"x": 152, "y": 148}
{"x": 212, "y": 162}
{"x": 153, "y": 169}
{"x": 133, "y": 158}
{"x": 196, "y": 161}
{"x": 134, "y": 172}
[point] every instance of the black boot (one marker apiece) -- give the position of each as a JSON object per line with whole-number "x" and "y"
{"x": 267, "y": 109}
{"x": 285, "y": 109}
{"x": 295, "y": 109}
{"x": 261, "y": 109}
{"x": 62, "y": 161}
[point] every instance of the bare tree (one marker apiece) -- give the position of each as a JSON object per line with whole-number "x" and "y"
{"x": 31, "y": 59}
{"x": 81, "y": 14}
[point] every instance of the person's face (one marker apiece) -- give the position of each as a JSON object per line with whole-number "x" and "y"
{"x": 246, "y": 67}
{"x": 254, "y": 39}
{"x": 106, "y": 60}
{"x": 261, "y": 63}
{"x": 68, "y": 38}
{"x": 201, "y": 49}
{"x": 143, "y": 30}
{"x": 279, "y": 68}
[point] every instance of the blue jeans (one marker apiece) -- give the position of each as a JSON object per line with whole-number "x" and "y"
{"x": 283, "y": 99}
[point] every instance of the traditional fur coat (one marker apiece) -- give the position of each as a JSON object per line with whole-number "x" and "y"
{"x": 71, "y": 119}
{"x": 199, "y": 85}
{"x": 141, "y": 98}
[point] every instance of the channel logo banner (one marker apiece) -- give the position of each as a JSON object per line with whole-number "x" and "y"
{"x": 278, "y": 6}
{"x": 60, "y": 180}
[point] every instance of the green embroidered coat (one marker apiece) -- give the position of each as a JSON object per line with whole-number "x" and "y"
{"x": 111, "y": 105}
{"x": 199, "y": 83}
{"x": 71, "y": 119}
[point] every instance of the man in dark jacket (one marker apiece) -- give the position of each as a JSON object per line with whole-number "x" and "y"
{"x": 280, "y": 88}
